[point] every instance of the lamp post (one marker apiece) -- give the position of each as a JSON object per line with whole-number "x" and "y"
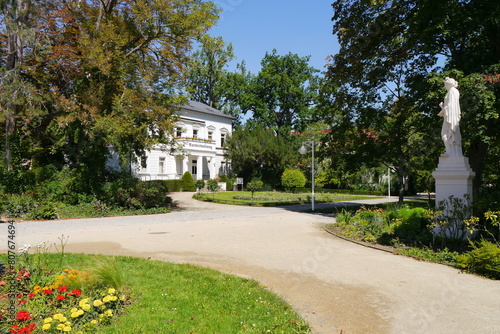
{"x": 303, "y": 150}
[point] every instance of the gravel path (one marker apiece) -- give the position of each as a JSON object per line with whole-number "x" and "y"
{"x": 334, "y": 284}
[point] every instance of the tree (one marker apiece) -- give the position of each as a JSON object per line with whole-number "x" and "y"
{"x": 213, "y": 186}
{"x": 293, "y": 179}
{"x": 254, "y": 186}
{"x": 283, "y": 92}
{"x": 103, "y": 74}
{"x": 188, "y": 182}
{"x": 256, "y": 152}
{"x": 206, "y": 71}
{"x": 210, "y": 82}
{"x": 387, "y": 50}
{"x": 199, "y": 184}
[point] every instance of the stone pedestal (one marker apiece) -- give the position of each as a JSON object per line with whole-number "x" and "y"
{"x": 453, "y": 178}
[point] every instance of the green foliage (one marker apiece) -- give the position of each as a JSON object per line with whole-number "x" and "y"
{"x": 132, "y": 193}
{"x": 188, "y": 182}
{"x": 394, "y": 227}
{"x": 293, "y": 179}
{"x": 174, "y": 185}
{"x": 212, "y": 186}
{"x": 17, "y": 206}
{"x": 281, "y": 93}
{"x": 199, "y": 184}
{"x": 257, "y": 153}
{"x": 484, "y": 259}
{"x": 254, "y": 186}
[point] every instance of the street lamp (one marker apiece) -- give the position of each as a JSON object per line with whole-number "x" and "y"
{"x": 303, "y": 150}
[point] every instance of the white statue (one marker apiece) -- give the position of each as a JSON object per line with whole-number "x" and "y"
{"x": 450, "y": 111}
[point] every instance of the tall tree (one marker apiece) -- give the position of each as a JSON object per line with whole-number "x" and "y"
{"x": 387, "y": 51}
{"x": 258, "y": 153}
{"x": 207, "y": 69}
{"x": 106, "y": 70}
{"x": 282, "y": 94}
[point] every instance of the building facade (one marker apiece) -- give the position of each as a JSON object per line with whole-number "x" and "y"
{"x": 199, "y": 135}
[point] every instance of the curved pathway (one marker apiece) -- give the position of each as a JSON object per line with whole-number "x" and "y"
{"x": 335, "y": 285}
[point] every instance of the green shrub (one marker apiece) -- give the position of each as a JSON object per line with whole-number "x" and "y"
{"x": 254, "y": 186}
{"x": 188, "y": 182}
{"x": 43, "y": 212}
{"x": 16, "y": 206}
{"x": 293, "y": 179}
{"x": 213, "y": 186}
{"x": 199, "y": 184}
{"x": 174, "y": 185}
{"x": 484, "y": 259}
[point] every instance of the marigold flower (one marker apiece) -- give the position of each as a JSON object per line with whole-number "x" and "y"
{"x": 111, "y": 291}
{"x": 106, "y": 299}
{"x": 108, "y": 313}
{"x": 63, "y": 288}
{"x": 97, "y": 302}
{"x": 76, "y": 293}
{"x": 94, "y": 322}
{"x": 46, "y": 327}
{"x": 47, "y": 320}
{"x": 60, "y": 297}
{"x": 47, "y": 291}
{"x": 86, "y": 307}
{"x": 67, "y": 329}
{"x": 31, "y": 295}
{"x": 23, "y": 315}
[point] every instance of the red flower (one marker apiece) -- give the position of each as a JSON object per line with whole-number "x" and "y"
{"x": 63, "y": 288}
{"x": 23, "y": 330}
{"x": 2, "y": 282}
{"x": 47, "y": 291}
{"x": 22, "y": 302}
{"x": 76, "y": 293}
{"x": 23, "y": 315}
{"x": 60, "y": 297}
{"x": 31, "y": 295}
{"x": 19, "y": 295}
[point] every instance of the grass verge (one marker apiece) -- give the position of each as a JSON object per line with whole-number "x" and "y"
{"x": 174, "y": 298}
{"x": 273, "y": 198}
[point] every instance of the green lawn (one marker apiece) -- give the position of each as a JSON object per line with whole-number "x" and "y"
{"x": 170, "y": 298}
{"x": 274, "y": 198}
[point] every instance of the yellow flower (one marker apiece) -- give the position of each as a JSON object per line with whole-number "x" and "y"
{"x": 106, "y": 299}
{"x": 108, "y": 313}
{"x": 83, "y": 302}
{"x": 67, "y": 329}
{"x": 46, "y": 327}
{"x": 60, "y": 327}
{"x": 58, "y": 316}
{"x": 111, "y": 291}
{"x": 75, "y": 314}
{"x": 122, "y": 298}
{"x": 86, "y": 307}
{"x": 94, "y": 322}
{"x": 63, "y": 319}
{"x": 97, "y": 302}
{"x": 113, "y": 298}
{"x": 47, "y": 320}
{"x": 73, "y": 310}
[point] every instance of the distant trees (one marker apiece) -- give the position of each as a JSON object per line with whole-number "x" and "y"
{"x": 380, "y": 95}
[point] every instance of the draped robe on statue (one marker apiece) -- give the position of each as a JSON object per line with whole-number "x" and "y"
{"x": 450, "y": 111}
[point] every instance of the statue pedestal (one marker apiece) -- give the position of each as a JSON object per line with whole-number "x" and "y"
{"x": 453, "y": 178}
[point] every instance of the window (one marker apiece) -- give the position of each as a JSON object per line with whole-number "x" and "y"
{"x": 210, "y": 135}
{"x": 161, "y": 166}
{"x": 178, "y": 132}
{"x": 222, "y": 139}
{"x": 195, "y": 133}
{"x": 194, "y": 167}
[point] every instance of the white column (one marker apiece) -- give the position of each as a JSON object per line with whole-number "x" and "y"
{"x": 185, "y": 165}
{"x": 210, "y": 162}
{"x": 199, "y": 165}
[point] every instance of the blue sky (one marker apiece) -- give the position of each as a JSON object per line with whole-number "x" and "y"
{"x": 255, "y": 27}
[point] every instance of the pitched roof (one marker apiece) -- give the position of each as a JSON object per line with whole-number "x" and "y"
{"x": 203, "y": 108}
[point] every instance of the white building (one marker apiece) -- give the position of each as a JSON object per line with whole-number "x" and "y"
{"x": 200, "y": 133}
